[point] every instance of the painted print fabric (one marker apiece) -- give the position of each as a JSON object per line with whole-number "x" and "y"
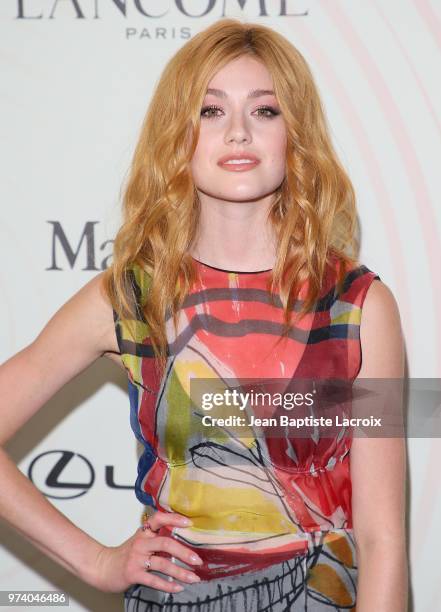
{"x": 254, "y": 502}
{"x": 321, "y": 580}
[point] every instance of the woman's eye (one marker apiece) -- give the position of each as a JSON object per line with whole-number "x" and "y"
{"x": 272, "y": 111}
{"x": 269, "y": 111}
{"x": 209, "y": 108}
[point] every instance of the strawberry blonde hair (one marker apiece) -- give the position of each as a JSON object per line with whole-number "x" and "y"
{"x": 313, "y": 212}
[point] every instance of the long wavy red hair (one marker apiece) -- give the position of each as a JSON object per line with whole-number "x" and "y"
{"x": 313, "y": 213}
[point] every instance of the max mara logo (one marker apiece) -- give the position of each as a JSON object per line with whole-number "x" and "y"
{"x": 67, "y": 249}
{"x": 155, "y": 9}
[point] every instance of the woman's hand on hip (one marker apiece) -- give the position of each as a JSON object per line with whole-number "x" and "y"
{"x": 118, "y": 567}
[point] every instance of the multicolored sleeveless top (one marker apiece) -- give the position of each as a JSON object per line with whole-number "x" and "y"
{"x": 280, "y": 497}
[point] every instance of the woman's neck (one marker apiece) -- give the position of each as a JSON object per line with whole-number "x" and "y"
{"x": 235, "y": 236}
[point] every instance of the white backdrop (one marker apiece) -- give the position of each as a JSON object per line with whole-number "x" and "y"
{"x": 76, "y": 78}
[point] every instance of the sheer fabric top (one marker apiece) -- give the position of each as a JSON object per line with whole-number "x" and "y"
{"x": 253, "y": 500}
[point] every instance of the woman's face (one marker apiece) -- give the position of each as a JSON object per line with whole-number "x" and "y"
{"x": 240, "y": 118}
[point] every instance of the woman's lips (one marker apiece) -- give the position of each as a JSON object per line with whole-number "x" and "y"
{"x": 239, "y": 166}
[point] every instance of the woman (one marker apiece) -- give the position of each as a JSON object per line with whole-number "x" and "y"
{"x": 231, "y": 263}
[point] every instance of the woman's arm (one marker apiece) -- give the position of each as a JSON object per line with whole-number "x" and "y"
{"x": 378, "y": 469}
{"x": 79, "y": 332}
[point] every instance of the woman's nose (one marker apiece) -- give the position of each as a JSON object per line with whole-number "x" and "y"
{"x": 237, "y": 129}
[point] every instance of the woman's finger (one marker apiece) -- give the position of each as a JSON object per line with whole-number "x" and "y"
{"x": 165, "y": 566}
{"x": 159, "y": 518}
{"x": 172, "y": 547}
{"x": 156, "y": 582}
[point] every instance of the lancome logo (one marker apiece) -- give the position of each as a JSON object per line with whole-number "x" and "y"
{"x": 156, "y": 9}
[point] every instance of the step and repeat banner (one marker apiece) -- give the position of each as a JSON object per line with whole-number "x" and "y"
{"x": 76, "y": 79}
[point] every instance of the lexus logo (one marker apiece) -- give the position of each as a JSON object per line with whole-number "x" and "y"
{"x": 46, "y": 473}
{"x": 63, "y": 474}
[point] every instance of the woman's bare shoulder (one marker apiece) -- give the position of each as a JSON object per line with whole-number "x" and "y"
{"x": 85, "y": 322}
{"x": 100, "y": 321}
{"x": 76, "y": 335}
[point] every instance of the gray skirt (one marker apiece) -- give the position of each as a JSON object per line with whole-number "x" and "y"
{"x": 321, "y": 580}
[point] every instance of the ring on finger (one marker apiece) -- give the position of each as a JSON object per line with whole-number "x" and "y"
{"x": 147, "y": 525}
{"x": 148, "y": 563}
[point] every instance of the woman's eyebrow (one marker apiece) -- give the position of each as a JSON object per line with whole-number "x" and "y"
{"x": 254, "y": 93}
